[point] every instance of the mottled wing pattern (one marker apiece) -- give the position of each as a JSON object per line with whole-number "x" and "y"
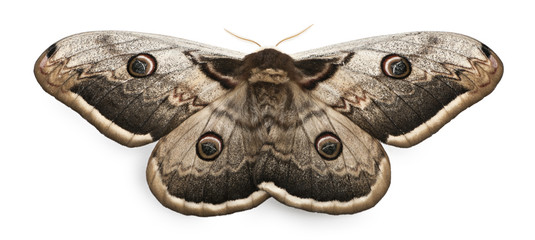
{"x": 290, "y": 169}
{"x": 88, "y": 72}
{"x": 268, "y": 152}
{"x": 237, "y": 129}
{"x": 190, "y": 185}
{"x": 450, "y": 72}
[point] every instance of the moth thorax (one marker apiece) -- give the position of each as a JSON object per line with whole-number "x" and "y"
{"x": 270, "y": 75}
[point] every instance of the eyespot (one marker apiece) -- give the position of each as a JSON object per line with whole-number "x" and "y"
{"x": 141, "y": 65}
{"x": 209, "y": 146}
{"x": 328, "y": 145}
{"x": 396, "y": 66}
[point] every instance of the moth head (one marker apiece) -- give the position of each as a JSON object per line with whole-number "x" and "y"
{"x": 268, "y": 65}
{"x": 396, "y": 66}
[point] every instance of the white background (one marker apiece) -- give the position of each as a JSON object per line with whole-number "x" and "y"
{"x": 61, "y": 179}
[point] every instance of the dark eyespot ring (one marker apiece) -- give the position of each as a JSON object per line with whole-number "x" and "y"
{"x": 396, "y": 66}
{"x": 141, "y": 65}
{"x": 328, "y": 145}
{"x": 209, "y": 146}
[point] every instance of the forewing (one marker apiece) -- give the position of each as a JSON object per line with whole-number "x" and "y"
{"x": 89, "y": 73}
{"x": 450, "y": 72}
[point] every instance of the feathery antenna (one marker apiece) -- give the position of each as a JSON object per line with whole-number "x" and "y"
{"x": 242, "y": 38}
{"x": 290, "y": 37}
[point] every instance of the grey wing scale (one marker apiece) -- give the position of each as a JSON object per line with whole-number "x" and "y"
{"x": 450, "y": 72}
{"x": 88, "y": 72}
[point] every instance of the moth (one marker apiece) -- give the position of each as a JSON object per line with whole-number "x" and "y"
{"x": 236, "y": 129}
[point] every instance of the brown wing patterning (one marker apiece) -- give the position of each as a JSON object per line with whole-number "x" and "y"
{"x": 236, "y": 129}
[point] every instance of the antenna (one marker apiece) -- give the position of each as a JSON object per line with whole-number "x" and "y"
{"x": 242, "y": 38}
{"x": 293, "y": 35}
